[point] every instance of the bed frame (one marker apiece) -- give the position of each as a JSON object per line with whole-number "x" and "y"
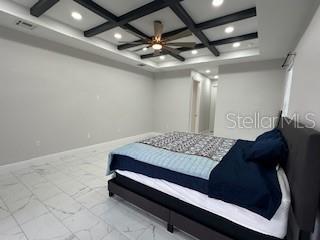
{"x": 302, "y": 170}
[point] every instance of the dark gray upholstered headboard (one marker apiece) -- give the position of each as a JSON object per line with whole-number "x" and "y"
{"x": 303, "y": 172}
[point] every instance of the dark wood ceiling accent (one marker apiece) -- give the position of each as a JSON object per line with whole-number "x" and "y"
{"x": 123, "y": 21}
{"x": 237, "y": 16}
{"x": 234, "y": 17}
{"x": 180, "y": 58}
{"x": 41, "y": 7}
{"x": 135, "y": 31}
{"x": 94, "y": 7}
{"x": 128, "y": 17}
{"x": 246, "y": 37}
{"x": 187, "y": 20}
{"x": 177, "y": 56}
{"x": 241, "y": 38}
{"x": 97, "y": 9}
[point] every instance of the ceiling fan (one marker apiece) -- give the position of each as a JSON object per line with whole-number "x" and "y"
{"x": 160, "y": 44}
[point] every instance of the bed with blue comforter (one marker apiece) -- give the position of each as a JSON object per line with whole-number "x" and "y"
{"x": 217, "y": 167}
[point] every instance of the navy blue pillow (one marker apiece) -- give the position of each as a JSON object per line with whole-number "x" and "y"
{"x": 269, "y": 150}
{"x": 270, "y": 134}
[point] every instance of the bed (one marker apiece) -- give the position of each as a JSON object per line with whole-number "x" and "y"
{"x": 191, "y": 210}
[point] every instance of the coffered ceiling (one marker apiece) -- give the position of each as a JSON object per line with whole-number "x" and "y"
{"x": 254, "y": 32}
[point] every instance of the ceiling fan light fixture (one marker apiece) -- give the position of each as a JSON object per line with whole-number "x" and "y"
{"x": 145, "y": 49}
{"x": 157, "y": 46}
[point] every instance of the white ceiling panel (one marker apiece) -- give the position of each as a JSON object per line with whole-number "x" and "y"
{"x": 254, "y": 43}
{"x": 109, "y": 36}
{"x": 201, "y": 52}
{"x": 242, "y": 27}
{"x": 166, "y": 16}
{"x": 188, "y": 39}
{"x": 202, "y": 10}
{"x": 120, "y": 7}
{"x": 168, "y": 58}
{"x": 62, "y": 13}
{"x": 26, "y": 3}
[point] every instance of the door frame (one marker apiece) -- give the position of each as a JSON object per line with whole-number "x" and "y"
{"x": 195, "y": 106}
{"x": 213, "y": 104}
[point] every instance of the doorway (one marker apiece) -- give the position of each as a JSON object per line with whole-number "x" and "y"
{"x": 195, "y": 106}
{"x": 214, "y": 89}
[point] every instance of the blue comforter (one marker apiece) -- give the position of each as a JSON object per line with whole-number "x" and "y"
{"x": 244, "y": 183}
{"x": 182, "y": 163}
{"x": 233, "y": 179}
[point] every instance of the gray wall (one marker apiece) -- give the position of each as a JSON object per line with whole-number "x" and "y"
{"x": 172, "y": 100}
{"x": 248, "y": 88}
{"x": 172, "y": 93}
{"x": 51, "y": 102}
{"x": 305, "y": 89}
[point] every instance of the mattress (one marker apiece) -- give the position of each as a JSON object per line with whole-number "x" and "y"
{"x": 276, "y": 227}
{"x": 254, "y": 187}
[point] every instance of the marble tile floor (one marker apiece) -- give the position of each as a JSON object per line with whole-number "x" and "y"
{"x": 65, "y": 197}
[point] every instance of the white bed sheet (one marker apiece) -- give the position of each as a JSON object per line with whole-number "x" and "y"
{"x": 276, "y": 227}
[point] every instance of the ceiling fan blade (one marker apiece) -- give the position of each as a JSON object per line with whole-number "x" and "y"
{"x": 185, "y": 33}
{"x": 183, "y": 44}
{"x": 139, "y": 42}
{"x": 172, "y": 50}
{"x": 158, "y": 29}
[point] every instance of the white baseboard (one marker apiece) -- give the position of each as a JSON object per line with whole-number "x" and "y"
{"x": 106, "y": 146}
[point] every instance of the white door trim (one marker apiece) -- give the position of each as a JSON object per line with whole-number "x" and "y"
{"x": 195, "y": 106}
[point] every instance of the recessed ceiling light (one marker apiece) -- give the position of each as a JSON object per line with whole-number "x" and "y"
{"x": 194, "y": 52}
{"x": 162, "y": 57}
{"x": 217, "y": 3}
{"x": 76, "y": 16}
{"x": 117, "y": 35}
{"x": 229, "y": 30}
{"x": 208, "y": 71}
{"x": 236, "y": 44}
{"x": 216, "y": 77}
{"x": 145, "y": 49}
